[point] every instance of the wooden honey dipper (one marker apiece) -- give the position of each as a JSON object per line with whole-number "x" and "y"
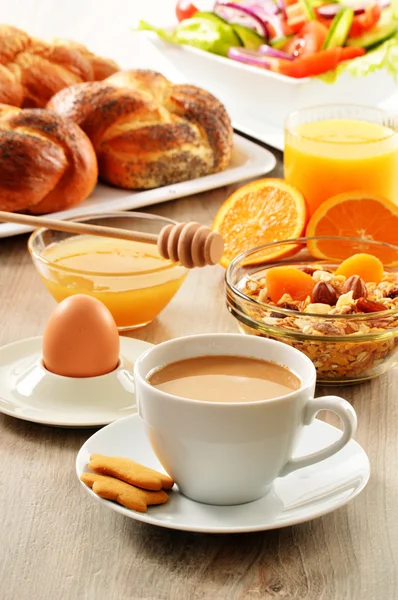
{"x": 191, "y": 244}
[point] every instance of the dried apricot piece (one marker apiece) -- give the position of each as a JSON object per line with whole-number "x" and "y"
{"x": 288, "y": 280}
{"x": 366, "y": 266}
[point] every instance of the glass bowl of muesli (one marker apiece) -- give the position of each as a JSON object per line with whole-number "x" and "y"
{"x": 342, "y": 312}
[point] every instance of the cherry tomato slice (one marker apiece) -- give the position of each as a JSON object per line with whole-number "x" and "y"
{"x": 365, "y": 21}
{"x": 350, "y": 53}
{"x": 317, "y": 64}
{"x": 308, "y": 41}
{"x": 291, "y": 29}
{"x": 185, "y": 10}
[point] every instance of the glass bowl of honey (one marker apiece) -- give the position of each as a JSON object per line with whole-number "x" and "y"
{"x": 130, "y": 278}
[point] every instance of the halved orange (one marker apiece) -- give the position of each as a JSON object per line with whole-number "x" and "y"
{"x": 356, "y": 215}
{"x": 261, "y": 212}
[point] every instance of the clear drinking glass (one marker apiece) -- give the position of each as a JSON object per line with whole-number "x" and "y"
{"x": 334, "y": 149}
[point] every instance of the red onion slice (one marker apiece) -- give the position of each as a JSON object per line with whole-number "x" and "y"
{"x": 241, "y": 16}
{"x": 329, "y": 11}
{"x": 282, "y": 6}
{"x": 251, "y": 17}
{"x": 262, "y": 8}
{"x": 275, "y": 22}
{"x": 249, "y": 57}
{"x": 274, "y": 53}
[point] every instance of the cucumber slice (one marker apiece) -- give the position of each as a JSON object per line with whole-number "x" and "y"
{"x": 339, "y": 29}
{"x": 278, "y": 43}
{"x": 307, "y": 9}
{"x": 250, "y": 39}
{"x": 384, "y": 29}
{"x": 318, "y": 3}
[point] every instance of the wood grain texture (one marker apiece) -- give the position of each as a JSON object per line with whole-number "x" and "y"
{"x": 57, "y": 543}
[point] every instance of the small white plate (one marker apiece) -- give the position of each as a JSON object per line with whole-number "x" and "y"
{"x": 248, "y": 160}
{"x": 30, "y": 393}
{"x": 298, "y": 497}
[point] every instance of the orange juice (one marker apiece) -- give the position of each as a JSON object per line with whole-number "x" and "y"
{"x": 130, "y": 278}
{"x": 329, "y": 157}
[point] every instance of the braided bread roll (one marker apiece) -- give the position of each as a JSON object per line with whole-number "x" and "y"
{"x": 146, "y": 131}
{"x": 31, "y": 70}
{"x": 47, "y": 164}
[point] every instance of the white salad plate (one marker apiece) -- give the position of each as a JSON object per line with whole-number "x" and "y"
{"x": 257, "y": 100}
{"x": 248, "y": 160}
{"x": 31, "y": 393}
{"x": 298, "y": 497}
{"x": 266, "y": 94}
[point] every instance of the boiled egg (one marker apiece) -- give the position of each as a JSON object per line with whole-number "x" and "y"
{"x": 81, "y": 339}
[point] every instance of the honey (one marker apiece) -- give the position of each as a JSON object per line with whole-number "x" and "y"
{"x": 130, "y": 278}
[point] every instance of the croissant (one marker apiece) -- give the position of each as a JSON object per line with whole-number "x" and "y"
{"x": 46, "y": 162}
{"x": 31, "y": 70}
{"x": 146, "y": 131}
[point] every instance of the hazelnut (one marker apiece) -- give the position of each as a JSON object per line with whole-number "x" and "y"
{"x": 324, "y": 293}
{"x": 356, "y": 285}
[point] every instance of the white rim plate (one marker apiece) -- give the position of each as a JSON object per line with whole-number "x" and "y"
{"x": 296, "y": 498}
{"x": 273, "y": 135}
{"x": 16, "y": 357}
{"x": 262, "y": 131}
{"x": 249, "y": 160}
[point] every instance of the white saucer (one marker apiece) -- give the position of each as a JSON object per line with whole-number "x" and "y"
{"x": 30, "y": 393}
{"x": 298, "y": 497}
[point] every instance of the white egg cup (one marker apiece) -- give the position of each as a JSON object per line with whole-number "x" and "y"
{"x": 30, "y": 392}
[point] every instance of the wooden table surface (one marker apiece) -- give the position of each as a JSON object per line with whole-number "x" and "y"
{"x": 55, "y": 543}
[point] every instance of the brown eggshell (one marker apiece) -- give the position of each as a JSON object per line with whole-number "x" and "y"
{"x": 81, "y": 339}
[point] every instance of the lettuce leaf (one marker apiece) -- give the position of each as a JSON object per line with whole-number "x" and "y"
{"x": 162, "y": 33}
{"x": 384, "y": 56}
{"x": 204, "y": 34}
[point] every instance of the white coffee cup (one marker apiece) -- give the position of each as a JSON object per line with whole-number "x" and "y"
{"x": 230, "y": 453}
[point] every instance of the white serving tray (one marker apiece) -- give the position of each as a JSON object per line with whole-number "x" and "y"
{"x": 248, "y": 160}
{"x": 258, "y": 100}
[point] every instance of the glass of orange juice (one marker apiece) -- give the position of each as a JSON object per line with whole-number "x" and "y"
{"x": 334, "y": 149}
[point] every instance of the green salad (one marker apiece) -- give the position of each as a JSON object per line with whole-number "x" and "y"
{"x": 295, "y": 38}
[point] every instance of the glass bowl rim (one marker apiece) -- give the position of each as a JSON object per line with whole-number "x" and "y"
{"x": 134, "y": 214}
{"x": 303, "y": 240}
{"x": 314, "y": 107}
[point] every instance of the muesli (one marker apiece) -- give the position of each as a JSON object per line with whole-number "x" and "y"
{"x": 347, "y": 326}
